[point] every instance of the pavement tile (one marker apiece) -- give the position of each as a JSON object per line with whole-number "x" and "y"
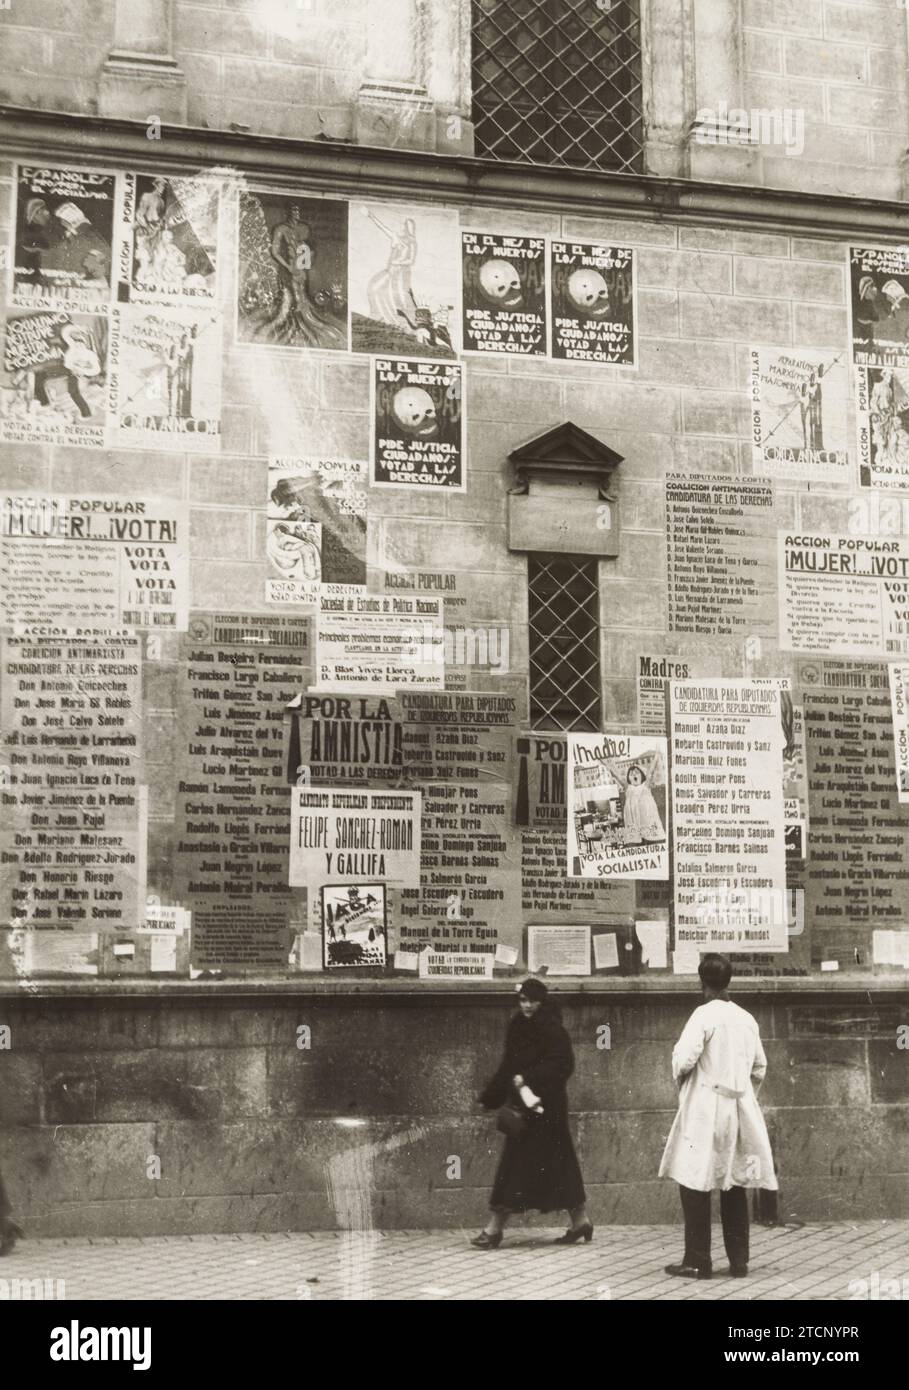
{"x": 622, "y": 1263}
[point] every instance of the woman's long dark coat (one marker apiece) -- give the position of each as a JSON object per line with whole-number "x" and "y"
{"x": 539, "y": 1171}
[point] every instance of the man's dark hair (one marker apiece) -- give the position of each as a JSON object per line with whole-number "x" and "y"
{"x": 715, "y": 972}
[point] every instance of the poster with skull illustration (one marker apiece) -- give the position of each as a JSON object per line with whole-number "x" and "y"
{"x": 418, "y": 424}
{"x": 593, "y": 303}
{"x": 404, "y": 280}
{"x": 504, "y": 294}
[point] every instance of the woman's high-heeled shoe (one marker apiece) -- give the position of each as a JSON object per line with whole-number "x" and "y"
{"x": 9, "y": 1234}
{"x": 485, "y": 1241}
{"x": 575, "y": 1233}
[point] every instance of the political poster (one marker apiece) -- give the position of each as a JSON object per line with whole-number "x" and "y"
{"x": 404, "y": 280}
{"x": 63, "y": 228}
{"x": 169, "y": 239}
{"x": 98, "y": 562}
{"x": 843, "y": 595}
{"x": 504, "y": 294}
{"x": 882, "y": 423}
{"x": 798, "y": 412}
{"x": 375, "y": 645}
{"x": 54, "y": 378}
{"x": 593, "y": 303}
{"x": 292, "y": 271}
{"x": 165, "y": 378}
{"x": 354, "y": 926}
{"x": 729, "y": 827}
{"x": 617, "y": 806}
{"x": 878, "y": 297}
{"x": 354, "y": 832}
{"x": 418, "y": 418}
{"x": 315, "y": 527}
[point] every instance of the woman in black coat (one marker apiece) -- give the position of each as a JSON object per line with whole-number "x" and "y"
{"x": 538, "y": 1170}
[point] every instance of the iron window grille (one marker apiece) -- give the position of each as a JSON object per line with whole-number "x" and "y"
{"x": 559, "y": 82}
{"x": 564, "y": 617}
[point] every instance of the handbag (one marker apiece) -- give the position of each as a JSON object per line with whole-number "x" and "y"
{"x": 512, "y": 1121}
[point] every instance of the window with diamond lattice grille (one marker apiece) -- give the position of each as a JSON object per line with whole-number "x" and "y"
{"x": 564, "y": 615}
{"x": 558, "y": 82}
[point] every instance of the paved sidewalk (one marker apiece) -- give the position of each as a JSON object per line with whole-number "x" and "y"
{"x": 623, "y": 1262}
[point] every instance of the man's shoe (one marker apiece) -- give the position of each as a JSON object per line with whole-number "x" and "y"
{"x": 689, "y": 1271}
{"x": 738, "y": 1271}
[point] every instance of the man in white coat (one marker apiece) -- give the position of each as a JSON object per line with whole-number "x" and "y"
{"x": 718, "y": 1138}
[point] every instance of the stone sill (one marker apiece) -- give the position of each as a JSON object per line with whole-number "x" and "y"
{"x": 345, "y": 168}
{"x": 858, "y": 987}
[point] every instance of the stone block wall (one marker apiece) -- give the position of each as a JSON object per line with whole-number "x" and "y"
{"x": 254, "y": 1133}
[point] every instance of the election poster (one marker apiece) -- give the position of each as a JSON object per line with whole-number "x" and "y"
{"x": 74, "y": 800}
{"x": 882, "y": 423}
{"x": 345, "y": 740}
{"x": 63, "y": 224}
{"x": 98, "y": 562}
{"x": 857, "y": 875}
{"x": 418, "y": 419}
{"x": 541, "y": 815}
{"x": 798, "y": 412}
{"x": 165, "y": 379}
{"x": 54, "y": 380}
{"x": 354, "y": 927}
{"x": 404, "y": 280}
{"x": 168, "y": 250}
{"x": 436, "y": 964}
{"x": 617, "y": 806}
{"x": 653, "y": 672}
{"x": 729, "y": 830}
{"x": 593, "y": 303}
{"x": 719, "y": 555}
{"x": 232, "y": 834}
{"x": 899, "y": 705}
{"x": 878, "y": 297}
{"x": 843, "y": 595}
{"x": 345, "y": 833}
{"x": 558, "y": 950}
{"x": 504, "y": 294}
{"x": 315, "y": 527}
{"x": 375, "y": 645}
{"x": 292, "y": 271}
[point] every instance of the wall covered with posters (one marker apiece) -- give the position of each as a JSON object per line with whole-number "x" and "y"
{"x": 268, "y": 758}
{"x": 266, "y": 656}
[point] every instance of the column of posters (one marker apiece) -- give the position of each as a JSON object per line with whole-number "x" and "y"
{"x": 729, "y": 830}
{"x": 719, "y": 554}
{"x": 74, "y": 802}
{"x": 233, "y": 800}
{"x": 458, "y": 748}
{"x": 858, "y": 862}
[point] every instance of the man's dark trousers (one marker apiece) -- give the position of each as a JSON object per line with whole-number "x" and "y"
{"x": 734, "y": 1216}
